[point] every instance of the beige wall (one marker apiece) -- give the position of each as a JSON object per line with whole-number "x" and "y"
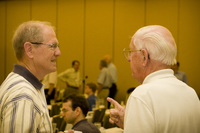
{"x": 89, "y": 29}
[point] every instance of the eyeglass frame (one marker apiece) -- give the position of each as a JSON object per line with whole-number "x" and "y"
{"x": 52, "y": 45}
{"x": 63, "y": 110}
{"x": 129, "y": 52}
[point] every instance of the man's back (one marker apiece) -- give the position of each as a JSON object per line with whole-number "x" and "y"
{"x": 163, "y": 104}
{"x": 91, "y": 101}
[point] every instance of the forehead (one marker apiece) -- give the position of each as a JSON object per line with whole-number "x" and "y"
{"x": 49, "y": 34}
{"x": 76, "y": 63}
{"x": 132, "y": 46}
{"x": 67, "y": 104}
{"x": 87, "y": 87}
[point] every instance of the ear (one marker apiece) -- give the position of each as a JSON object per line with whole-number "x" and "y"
{"x": 78, "y": 111}
{"x": 145, "y": 56}
{"x": 28, "y": 49}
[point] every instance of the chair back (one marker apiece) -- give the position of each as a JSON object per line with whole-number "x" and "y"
{"x": 55, "y": 110}
{"x": 60, "y": 122}
{"x": 98, "y": 115}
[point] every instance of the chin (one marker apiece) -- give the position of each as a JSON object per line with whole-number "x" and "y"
{"x": 54, "y": 69}
{"x": 133, "y": 76}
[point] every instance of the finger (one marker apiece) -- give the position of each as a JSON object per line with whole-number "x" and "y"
{"x": 71, "y": 131}
{"x": 115, "y": 103}
{"x": 111, "y": 121}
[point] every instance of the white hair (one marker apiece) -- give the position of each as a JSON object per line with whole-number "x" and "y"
{"x": 159, "y": 43}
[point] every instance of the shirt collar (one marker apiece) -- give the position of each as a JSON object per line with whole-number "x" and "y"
{"x": 27, "y": 75}
{"x": 83, "y": 120}
{"x": 165, "y": 73}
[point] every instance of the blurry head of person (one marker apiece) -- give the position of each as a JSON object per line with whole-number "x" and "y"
{"x": 75, "y": 64}
{"x": 175, "y": 67}
{"x": 36, "y": 47}
{"x": 90, "y": 88}
{"x": 74, "y": 108}
{"x": 102, "y": 64}
{"x": 152, "y": 48}
{"x": 108, "y": 58}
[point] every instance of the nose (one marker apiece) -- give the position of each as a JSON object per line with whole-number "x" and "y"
{"x": 57, "y": 51}
{"x": 129, "y": 60}
{"x": 62, "y": 114}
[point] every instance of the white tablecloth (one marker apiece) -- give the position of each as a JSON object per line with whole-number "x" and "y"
{"x": 112, "y": 130}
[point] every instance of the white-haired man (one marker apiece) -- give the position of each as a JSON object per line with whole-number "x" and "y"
{"x": 162, "y": 103}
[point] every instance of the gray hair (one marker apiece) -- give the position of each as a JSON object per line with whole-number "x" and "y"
{"x": 31, "y": 31}
{"x": 159, "y": 43}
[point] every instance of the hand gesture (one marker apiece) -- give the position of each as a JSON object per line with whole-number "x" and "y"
{"x": 117, "y": 114}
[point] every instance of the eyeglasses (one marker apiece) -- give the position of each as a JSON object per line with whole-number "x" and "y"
{"x": 63, "y": 110}
{"x": 128, "y": 52}
{"x": 52, "y": 45}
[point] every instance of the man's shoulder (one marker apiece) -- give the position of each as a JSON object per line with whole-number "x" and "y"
{"x": 111, "y": 65}
{"x": 86, "y": 127}
{"x": 15, "y": 87}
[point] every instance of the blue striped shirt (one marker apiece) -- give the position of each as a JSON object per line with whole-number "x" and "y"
{"x": 23, "y": 107}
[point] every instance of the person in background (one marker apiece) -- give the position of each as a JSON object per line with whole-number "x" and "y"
{"x": 162, "y": 103}
{"x": 179, "y": 74}
{"x": 113, "y": 71}
{"x": 128, "y": 93}
{"x": 74, "y": 110}
{"x": 50, "y": 81}
{"x": 90, "y": 90}
{"x": 104, "y": 82}
{"x": 23, "y": 106}
{"x": 72, "y": 78}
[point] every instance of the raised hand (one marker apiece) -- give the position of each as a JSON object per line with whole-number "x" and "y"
{"x": 117, "y": 114}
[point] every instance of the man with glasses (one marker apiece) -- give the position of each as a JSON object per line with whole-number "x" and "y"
{"x": 74, "y": 111}
{"x": 23, "y": 106}
{"x": 162, "y": 103}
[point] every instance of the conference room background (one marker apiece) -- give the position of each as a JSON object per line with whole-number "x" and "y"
{"x": 89, "y": 29}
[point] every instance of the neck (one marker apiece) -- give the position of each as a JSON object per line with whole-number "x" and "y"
{"x": 90, "y": 93}
{"x": 153, "y": 66}
{"x": 78, "y": 119}
{"x": 27, "y": 65}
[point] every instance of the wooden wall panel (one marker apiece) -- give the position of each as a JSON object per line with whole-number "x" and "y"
{"x": 98, "y": 35}
{"x": 129, "y": 16}
{"x": 70, "y": 33}
{"x": 43, "y": 10}
{"x": 165, "y": 13}
{"x": 2, "y": 39}
{"x": 17, "y": 12}
{"x": 189, "y": 46}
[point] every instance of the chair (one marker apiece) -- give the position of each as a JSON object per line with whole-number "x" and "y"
{"x": 98, "y": 115}
{"x": 106, "y": 123}
{"x": 60, "y": 122}
{"x": 55, "y": 110}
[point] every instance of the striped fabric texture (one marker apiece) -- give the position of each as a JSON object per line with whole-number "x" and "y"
{"x": 23, "y": 107}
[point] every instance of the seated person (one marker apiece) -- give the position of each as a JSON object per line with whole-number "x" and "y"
{"x": 128, "y": 93}
{"x": 179, "y": 74}
{"x": 90, "y": 89}
{"x": 74, "y": 110}
{"x": 50, "y": 81}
